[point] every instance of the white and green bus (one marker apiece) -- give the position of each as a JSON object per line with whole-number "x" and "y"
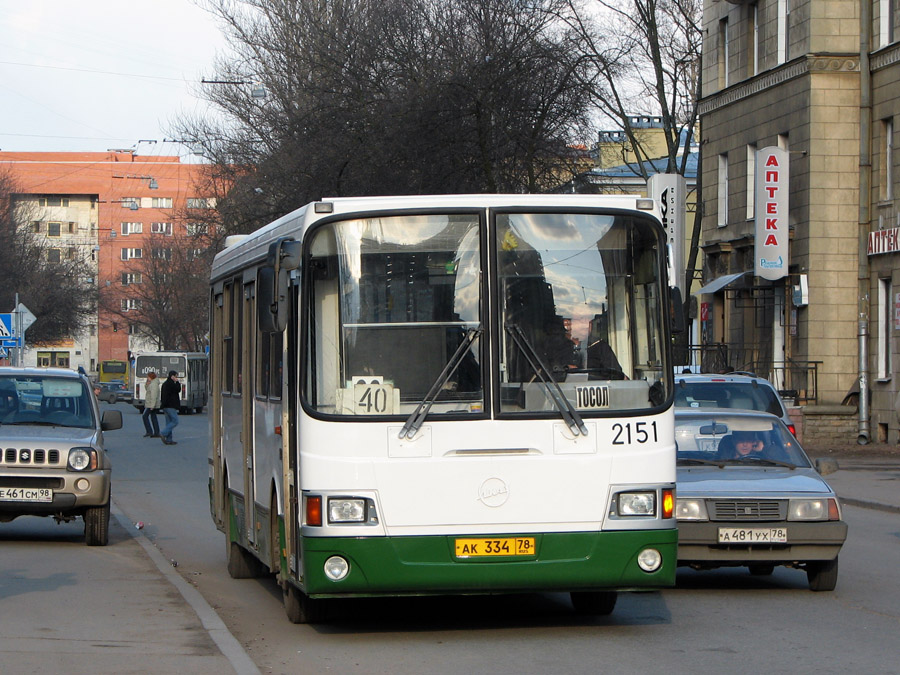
{"x": 454, "y": 394}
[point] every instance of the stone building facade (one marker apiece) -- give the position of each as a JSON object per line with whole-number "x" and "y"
{"x": 792, "y": 74}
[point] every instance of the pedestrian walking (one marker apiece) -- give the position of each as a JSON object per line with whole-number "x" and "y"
{"x": 170, "y": 402}
{"x": 151, "y": 403}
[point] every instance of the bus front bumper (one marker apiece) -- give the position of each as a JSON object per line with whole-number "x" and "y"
{"x": 560, "y": 562}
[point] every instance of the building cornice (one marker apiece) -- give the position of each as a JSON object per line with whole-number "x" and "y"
{"x": 885, "y": 57}
{"x": 806, "y": 65}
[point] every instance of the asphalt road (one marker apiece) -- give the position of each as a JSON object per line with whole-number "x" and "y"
{"x": 720, "y": 621}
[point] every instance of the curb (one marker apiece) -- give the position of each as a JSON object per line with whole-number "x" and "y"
{"x": 863, "y": 504}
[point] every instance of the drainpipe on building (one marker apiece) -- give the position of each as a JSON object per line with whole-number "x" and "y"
{"x": 865, "y": 196}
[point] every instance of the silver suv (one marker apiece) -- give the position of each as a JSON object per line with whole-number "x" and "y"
{"x": 742, "y": 392}
{"x": 52, "y": 459}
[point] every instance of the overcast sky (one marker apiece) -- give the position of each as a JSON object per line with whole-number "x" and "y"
{"x": 99, "y": 74}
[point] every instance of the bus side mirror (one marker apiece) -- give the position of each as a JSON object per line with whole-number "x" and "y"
{"x": 676, "y": 311}
{"x": 273, "y": 285}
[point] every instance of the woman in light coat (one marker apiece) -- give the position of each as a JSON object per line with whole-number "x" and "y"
{"x": 151, "y": 404}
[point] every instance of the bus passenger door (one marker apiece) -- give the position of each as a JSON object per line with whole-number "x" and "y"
{"x": 216, "y": 458}
{"x": 246, "y": 385}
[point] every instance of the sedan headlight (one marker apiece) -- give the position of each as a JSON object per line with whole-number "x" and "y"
{"x": 690, "y": 509}
{"x": 637, "y": 504}
{"x": 813, "y": 509}
{"x": 83, "y": 459}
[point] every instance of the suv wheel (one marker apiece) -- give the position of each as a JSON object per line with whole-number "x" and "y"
{"x": 96, "y": 525}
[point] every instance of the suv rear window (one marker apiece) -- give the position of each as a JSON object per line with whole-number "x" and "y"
{"x": 741, "y": 395}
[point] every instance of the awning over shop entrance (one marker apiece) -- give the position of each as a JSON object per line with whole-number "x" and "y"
{"x": 719, "y": 283}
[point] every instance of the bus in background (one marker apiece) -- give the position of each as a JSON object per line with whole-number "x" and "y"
{"x": 193, "y": 373}
{"x": 114, "y": 371}
{"x": 454, "y": 394}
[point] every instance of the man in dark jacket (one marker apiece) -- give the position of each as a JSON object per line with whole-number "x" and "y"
{"x": 170, "y": 402}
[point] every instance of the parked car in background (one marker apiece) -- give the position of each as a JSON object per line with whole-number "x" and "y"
{"x": 112, "y": 392}
{"x": 739, "y": 391}
{"x": 748, "y": 495}
{"x": 52, "y": 456}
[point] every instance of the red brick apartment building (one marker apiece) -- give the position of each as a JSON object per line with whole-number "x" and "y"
{"x": 102, "y": 206}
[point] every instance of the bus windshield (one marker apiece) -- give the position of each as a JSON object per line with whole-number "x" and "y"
{"x": 579, "y": 305}
{"x": 391, "y": 299}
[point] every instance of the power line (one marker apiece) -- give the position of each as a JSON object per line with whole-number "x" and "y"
{"x": 99, "y": 72}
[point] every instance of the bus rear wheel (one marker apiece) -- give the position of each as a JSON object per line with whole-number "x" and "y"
{"x": 599, "y": 603}
{"x": 300, "y": 608}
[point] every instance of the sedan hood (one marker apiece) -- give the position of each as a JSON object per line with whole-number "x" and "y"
{"x": 710, "y": 481}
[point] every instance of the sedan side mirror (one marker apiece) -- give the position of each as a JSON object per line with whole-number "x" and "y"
{"x": 826, "y": 466}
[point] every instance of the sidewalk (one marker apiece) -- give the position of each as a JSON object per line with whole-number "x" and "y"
{"x": 869, "y": 475}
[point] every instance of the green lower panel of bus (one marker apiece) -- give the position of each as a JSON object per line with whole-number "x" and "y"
{"x": 514, "y": 563}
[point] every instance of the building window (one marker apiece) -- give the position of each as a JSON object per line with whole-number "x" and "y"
{"x": 751, "y": 180}
{"x": 723, "y": 53}
{"x": 723, "y": 191}
{"x": 131, "y": 278}
{"x": 884, "y": 328}
{"x": 196, "y": 229}
{"x": 162, "y": 202}
{"x": 54, "y": 255}
{"x": 784, "y": 30}
{"x": 35, "y": 226}
{"x": 886, "y": 10}
{"x": 132, "y": 228}
{"x": 161, "y": 228}
{"x": 753, "y": 55}
{"x": 129, "y": 304}
{"x": 53, "y": 229}
{"x": 162, "y": 253}
{"x": 53, "y": 200}
{"x": 133, "y": 203}
{"x": 53, "y": 359}
{"x": 199, "y": 203}
{"x": 887, "y": 159}
{"x": 130, "y": 253}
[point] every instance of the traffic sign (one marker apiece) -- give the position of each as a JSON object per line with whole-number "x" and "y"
{"x": 26, "y": 317}
{"x": 7, "y": 327}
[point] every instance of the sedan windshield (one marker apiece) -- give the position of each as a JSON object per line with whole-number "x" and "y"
{"x": 724, "y": 439}
{"x": 50, "y": 401}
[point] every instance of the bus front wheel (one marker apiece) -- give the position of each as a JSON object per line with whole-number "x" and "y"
{"x": 300, "y": 608}
{"x": 599, "y": 603}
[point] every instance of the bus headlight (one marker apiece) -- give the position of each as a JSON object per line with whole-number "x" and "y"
{"x": 690, "y": 509}
{"x": 637, "y": 503}
{"x": 649, "y": 560}
{"x": 346, "y": 510}
{"x": 336, "y": 568}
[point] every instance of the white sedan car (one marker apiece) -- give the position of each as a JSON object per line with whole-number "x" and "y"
{"x": 748, "y": 495}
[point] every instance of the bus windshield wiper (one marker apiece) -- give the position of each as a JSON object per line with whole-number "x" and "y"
{"x": 414, "y": 421}
{"x": 551, "y": 387}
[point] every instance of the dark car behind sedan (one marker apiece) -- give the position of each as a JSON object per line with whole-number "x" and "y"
{"x": 113, "y": 392}
{"x": 748, "y": 495}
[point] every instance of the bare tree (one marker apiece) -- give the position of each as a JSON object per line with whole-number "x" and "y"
{"x": 163, "y": 296}
{"x": 389, "y": 97}
{"x": 57, "y": 286}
